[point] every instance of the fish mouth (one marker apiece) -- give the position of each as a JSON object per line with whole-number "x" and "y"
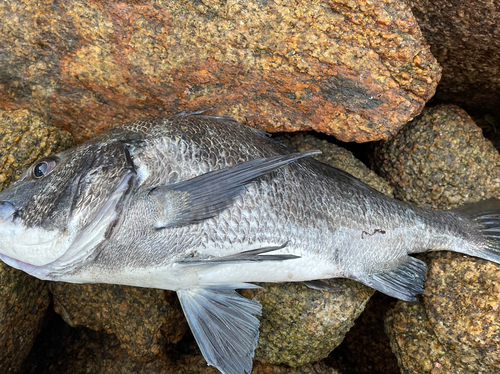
{"x": 22, "y": 246}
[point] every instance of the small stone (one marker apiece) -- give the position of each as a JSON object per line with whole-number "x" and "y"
{"x": 301, "y": 325}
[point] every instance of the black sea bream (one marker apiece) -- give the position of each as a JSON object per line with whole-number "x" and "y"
{"x": 203, "y": 206}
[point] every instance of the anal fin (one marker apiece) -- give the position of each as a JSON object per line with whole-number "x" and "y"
{"x": 224, "y": 325}
{"x": 404, "y": 281}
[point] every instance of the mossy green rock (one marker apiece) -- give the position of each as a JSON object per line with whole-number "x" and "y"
{"x": 440, "y": 160}
{"x": 23, "y": 299}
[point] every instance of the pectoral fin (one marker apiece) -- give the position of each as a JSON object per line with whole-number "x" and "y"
{"x": 252, "y": 255}
{"x": 320, "y": 285}
{"x": 207, "y": 195}
{"x": 224, "y": 325}
{"x": 404, "y": 281}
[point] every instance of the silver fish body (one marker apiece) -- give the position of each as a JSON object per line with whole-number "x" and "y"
{"x": 204, "y": 205}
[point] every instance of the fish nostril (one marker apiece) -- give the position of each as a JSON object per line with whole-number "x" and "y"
{"x": 6, "y": 211}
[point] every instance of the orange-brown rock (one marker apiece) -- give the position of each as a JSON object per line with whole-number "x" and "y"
{"x": 356, "y": 69}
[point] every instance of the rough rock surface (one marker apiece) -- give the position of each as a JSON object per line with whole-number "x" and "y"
{"x": 440, "y": 160}
{"x": 366, "y": 348}
{"x": 465, "y": 39}
{"x": 456, "y": 328}
{"x": 356, "y": 69}
{"x": 301, "y": 325}
{"x": 25, "y": 138}
{"x": 144, "y": 320}
{"x": 86, "y": 351}
{"x": 23, "y": 299}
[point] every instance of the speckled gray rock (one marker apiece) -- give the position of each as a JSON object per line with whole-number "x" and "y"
{"x": 456, "y": 328}
{"x": 440, "y": 160}
{"x": 143, "y": 319}
{"x": 300, "y": 325}
{"x": 87, "y": 351}
{"x": 23, "y": 299}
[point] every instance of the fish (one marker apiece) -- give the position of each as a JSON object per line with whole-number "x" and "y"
{"x": 203, "y": 206}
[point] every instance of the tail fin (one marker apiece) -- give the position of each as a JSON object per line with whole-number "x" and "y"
{"x": 486, "y": 214}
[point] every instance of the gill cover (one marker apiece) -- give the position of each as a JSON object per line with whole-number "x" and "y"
{"x": 54, "y": 218}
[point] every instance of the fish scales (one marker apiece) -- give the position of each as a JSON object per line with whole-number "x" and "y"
{"x": 203, "y": 205}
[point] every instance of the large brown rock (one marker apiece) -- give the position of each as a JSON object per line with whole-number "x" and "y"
{"x": 465, "y": 39}
{"x": 357, "y": 70}
{"x": 23, "y": 299}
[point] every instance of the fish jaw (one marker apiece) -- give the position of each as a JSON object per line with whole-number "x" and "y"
{"x": 29, "y": 245}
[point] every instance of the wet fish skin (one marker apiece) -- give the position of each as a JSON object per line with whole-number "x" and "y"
{"x": 142, "y": 205}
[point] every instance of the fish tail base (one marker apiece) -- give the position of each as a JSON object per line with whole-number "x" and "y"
{"x": 485, "y": 214}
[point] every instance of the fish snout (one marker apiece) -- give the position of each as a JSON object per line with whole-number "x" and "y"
{"x": 6, "y": 211}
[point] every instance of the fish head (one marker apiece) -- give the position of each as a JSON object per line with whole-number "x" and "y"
{"x": 64, "y": 203}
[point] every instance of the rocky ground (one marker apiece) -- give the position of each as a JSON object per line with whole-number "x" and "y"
{"x": 360, "y": 71}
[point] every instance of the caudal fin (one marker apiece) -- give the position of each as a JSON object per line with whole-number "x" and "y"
{"x": 486, "y": 214}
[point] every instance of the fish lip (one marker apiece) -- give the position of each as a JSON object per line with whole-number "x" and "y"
{"x": 17, "y": 264}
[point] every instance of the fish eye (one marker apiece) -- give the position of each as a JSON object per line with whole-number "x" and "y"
{"x": 43, "y": 167}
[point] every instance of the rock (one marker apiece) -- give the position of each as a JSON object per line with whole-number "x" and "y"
{"x": 465, "y": 39}
{"x": 455, "y": 328}
{"x": 87, "y": 351}
{"x": 23, "y": 299}
{"x": 144, "y": 320}
{"x": 357, "y": 70}
{"x": 366, "y": 348}
{"x": 300, "y": 325}
{"x": 440, "y": 160}
{"x": 23, "y": 304}
{"x": 25, "y": 138}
